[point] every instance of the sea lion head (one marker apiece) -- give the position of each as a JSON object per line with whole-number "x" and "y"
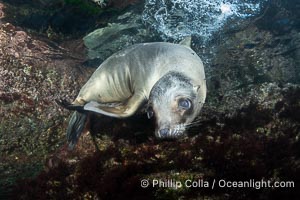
{"x": 175, "y": 102}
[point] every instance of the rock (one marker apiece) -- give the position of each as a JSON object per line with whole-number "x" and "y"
{"x": 51, "y": 3}
{"x": 125, "y": 31}
{"x": 1, "y": 11}
{"x": 100, "y": 37}
{"x": 33, "y": 74}
{"x": 59, "y": 18}
{"x": 236, "y": 69}
{"x": 259, "y": 141}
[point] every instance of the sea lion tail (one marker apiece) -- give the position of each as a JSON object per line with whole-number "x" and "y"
{"x": 75, "y": 128}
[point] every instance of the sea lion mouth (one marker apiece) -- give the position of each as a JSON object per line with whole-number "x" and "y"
{"x": 170, "y": 133}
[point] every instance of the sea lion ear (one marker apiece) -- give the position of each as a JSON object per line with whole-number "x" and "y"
{"x": 196, "y": 87}
{"x": 187, "y": 41}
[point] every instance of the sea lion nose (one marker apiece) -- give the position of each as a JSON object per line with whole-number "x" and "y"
{"x": 164, "y": 132}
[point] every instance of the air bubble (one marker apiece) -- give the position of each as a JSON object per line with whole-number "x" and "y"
{"x": 176, "y": 19}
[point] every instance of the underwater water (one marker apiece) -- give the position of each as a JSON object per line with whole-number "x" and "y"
{"x": 178, "y": 18}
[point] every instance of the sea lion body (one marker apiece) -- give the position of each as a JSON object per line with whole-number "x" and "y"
{"x": 145, "y": 73}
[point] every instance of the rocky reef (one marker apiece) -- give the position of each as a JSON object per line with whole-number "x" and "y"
{"x": 248, "y": 130}
{"x": 33, "y": 72}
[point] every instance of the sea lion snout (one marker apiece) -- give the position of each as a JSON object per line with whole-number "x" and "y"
{"x": 164, "y": 132}
{"x": 170, "y": 133}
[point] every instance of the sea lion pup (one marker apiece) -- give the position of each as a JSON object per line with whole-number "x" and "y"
{"x": 167, "y": 78}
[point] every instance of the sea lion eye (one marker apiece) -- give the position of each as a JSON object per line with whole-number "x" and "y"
{"x": 150, "y": 112}
{"x": 185, "y": 104}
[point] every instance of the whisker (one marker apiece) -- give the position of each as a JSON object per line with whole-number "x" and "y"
{"x": 190, "y": 125}
{"x": 193, "y": 123}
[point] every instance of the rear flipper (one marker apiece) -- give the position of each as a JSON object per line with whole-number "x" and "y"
{"x": 75, "y": 128}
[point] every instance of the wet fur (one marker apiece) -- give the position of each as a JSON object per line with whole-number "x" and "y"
{"x": 164, "y": 101}
{"x": 160, "y": 73}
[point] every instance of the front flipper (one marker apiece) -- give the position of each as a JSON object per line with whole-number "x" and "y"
{"x": 120, "y": 110}
{"x": 67, "y": 105}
